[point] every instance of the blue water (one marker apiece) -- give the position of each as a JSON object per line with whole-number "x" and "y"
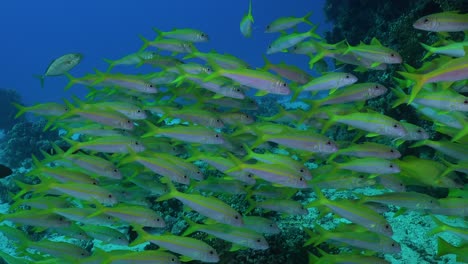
{"x": 35, "y": 32}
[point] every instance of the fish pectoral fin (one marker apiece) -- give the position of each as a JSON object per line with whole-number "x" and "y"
{"x": 185, "y": 259}
{"x": 375, "y": 64}
{"x": 261, "y": 93}
{"x": 236, "y": 247}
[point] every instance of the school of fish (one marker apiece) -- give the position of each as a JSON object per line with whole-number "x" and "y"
{"x": 152, "y": 137}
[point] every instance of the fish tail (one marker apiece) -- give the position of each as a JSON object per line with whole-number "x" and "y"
{"x": 192, "y": 227}
{"x": 70, "y": 113}
{"x": 57, "y": 149}
{"x": 25, "y": 188}
{"x": 74, "y": 146}
{"x": 153, "y": 130}
{"x": 250, "y": 153}
{"x": 323, "y": 235}
{"x": 252, "y": 205}
{"x": 320, "y": 196}
{"x": 313, "y": 237}
{"x": 142, "y": 235}
{"x": 296, "y": 93}
{"x": 37, "y": 165}
{"x": 419, "y": 82}
{"x": 111, "y": 64}
{"x": 443, "y": 247}
{"x": 403, "y": 83}
{"x": 312, "y": 33}
{"x": 267, "y": 63}
{"x": 237, "y": 161}
{"x": 438, "y": 229}
{"x": 402, "y": 97}
{"x": 217, "y": 71}
{"x": 158, "y": 32}
{"x": 172, "y": 190}
{"x": 321, "y": 53}
{"x": 333, "y": 156}
{"x": 460, "y": 134}
{"x": 145, "y": 43}
{"x": 250, "y": 11}
{"x": 179, "y": 80}
{"x": 99, "y": 210}
{"x": 331, "y": 121}
{"x": 21, "y": 109}
{"x": 418, "y": 144}
{"x": 71, "y": 80}
{"x": 349, "y": 48}
{"x": 41, "y": 79}
{"x": 306, "y": 18}
{"x": 430, "y": 50}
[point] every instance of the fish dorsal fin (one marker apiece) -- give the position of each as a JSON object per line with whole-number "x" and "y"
{"x": 375, "y": 41}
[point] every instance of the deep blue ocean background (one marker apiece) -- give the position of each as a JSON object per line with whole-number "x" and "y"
{"x": 36, "y": 32}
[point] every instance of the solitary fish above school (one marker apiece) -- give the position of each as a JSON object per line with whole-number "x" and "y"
{"x": 61, "y": 65}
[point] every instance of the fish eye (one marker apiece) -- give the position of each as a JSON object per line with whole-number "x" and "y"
{"x": 110, "y": 195}
{"x": 395, "y": 125}
{"x": 128, "y": 121}
{"x": 329, "y": 142}
{"x": 198, "y": 172}
{"x": 426, "y": 20}
{"x": 238, "y": 90}
{"x": 136, "y": 143}
{"x": 347, "y": 76}
{"x": 269, "y": 46}
{"x": 271, "y": 225}
{"x": 217, "y": 120}
{"x": 115, "y": 170}
{"x": 301, "y": 170}
{"x": 157, "y": 219}
{"x": 376, "y": 87}
{"x": 236, "y": 217}
{"x": 211, "y": 252}
{"x": 361, "y": 176}
{"x": 138, "y": 111}
{"x": 217, "y": 135}
{"x": 391, "y": 151}
{"x": 284, "y": 84}
{"x": 119, "y": 238}
{"x": 387, "y": 226}
{"x": 108, "y": 217}
{"x": 301, "y": 179}
{"x": 61, "y": 218}
{"x": 258, "y": 241}
{"x": 185, "y": 176}
{"x": 465, "y": 102}
{"x": 172, "y": 259}
{"x": 391, "y": 165}
{"x": 249, "y": 175}
{"x": 268, "y": 27}
{"x": 419, "y": 131}
{"x": 393, "y": 244}
{"x": 82, "y": 254}
{"x": 392, "y": 55}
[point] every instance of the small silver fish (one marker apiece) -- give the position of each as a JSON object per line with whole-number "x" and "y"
{"x": 61, "y": 65}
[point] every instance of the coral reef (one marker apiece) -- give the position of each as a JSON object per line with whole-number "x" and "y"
{"x": 7, "y": 110}
{"x": 22, "y": 140}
